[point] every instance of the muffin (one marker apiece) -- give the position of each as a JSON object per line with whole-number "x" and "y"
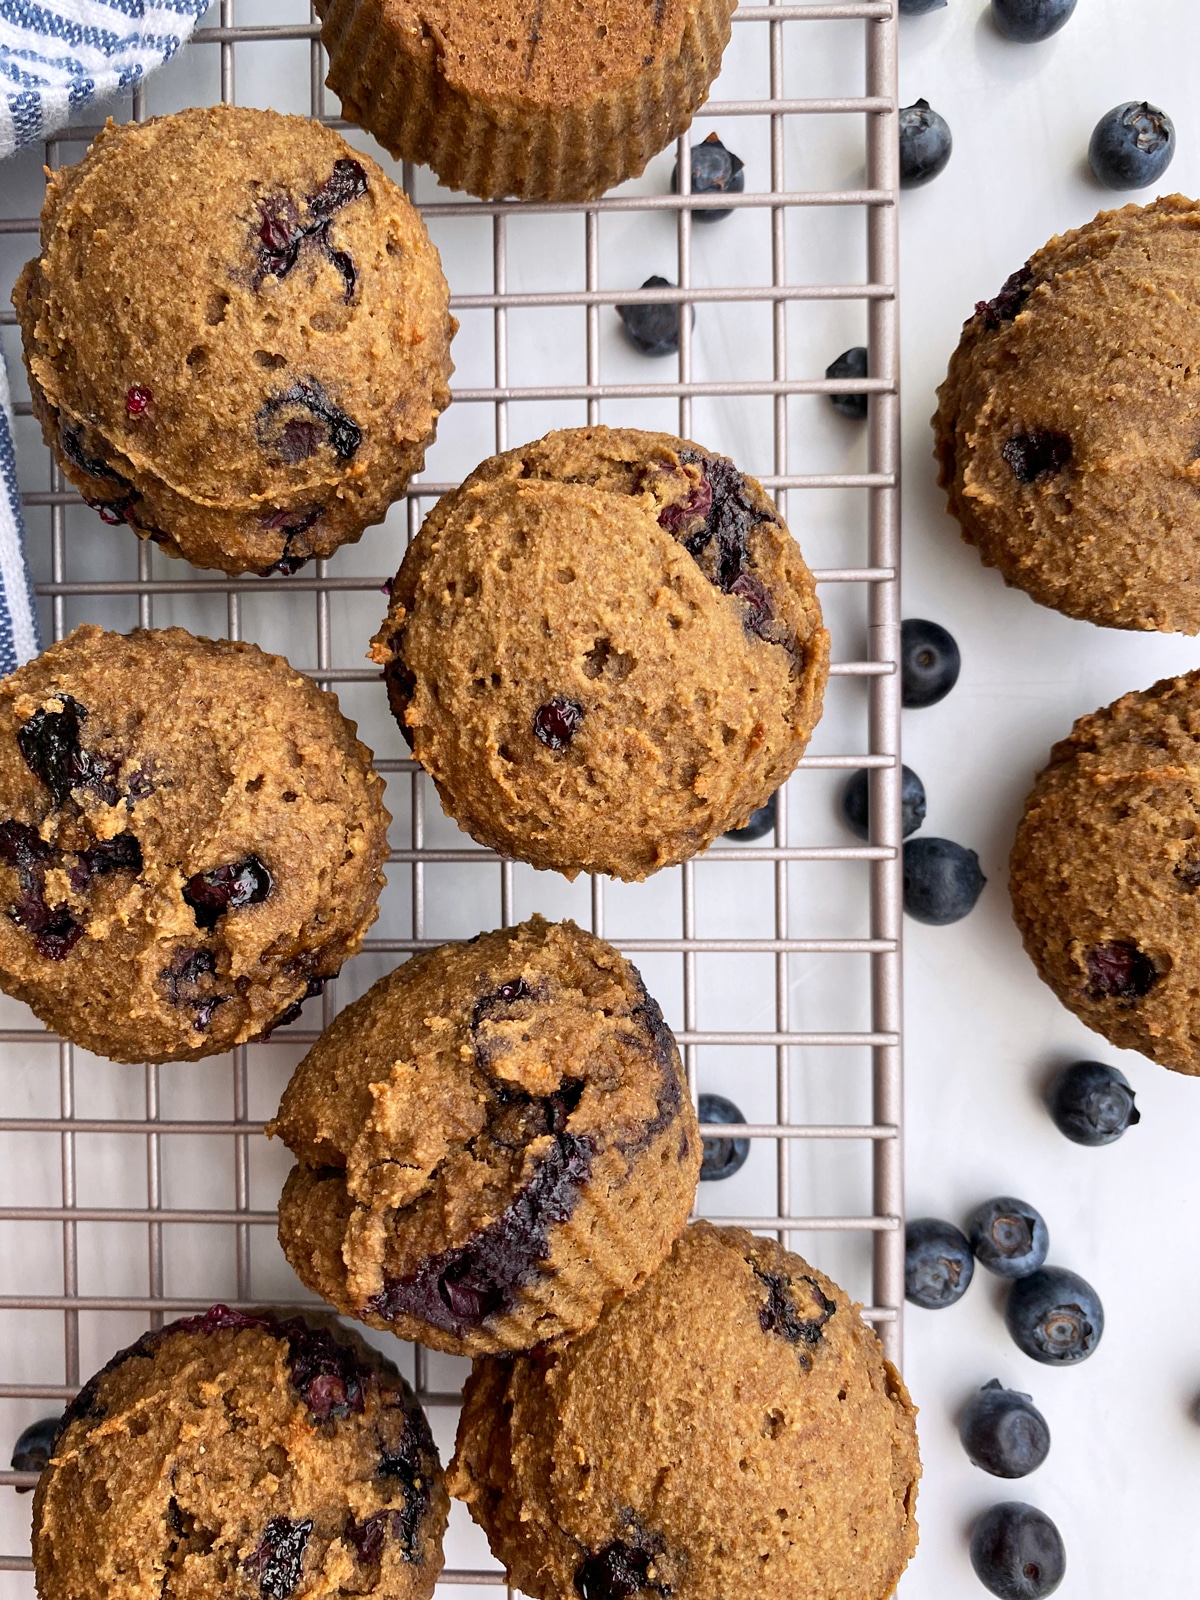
{"x": 542, "y": 99}
{"x": 236, "y": 334}
{"x": 191, "y": 841}
{"x": 606, "y": 650}
{"x": 1068, "y": 424}
{"x": 247, "y": 1456}
{"x": 492, "y": 1143}
{"x": 732, "y": 1429}
{"x": 1105, "y": 872}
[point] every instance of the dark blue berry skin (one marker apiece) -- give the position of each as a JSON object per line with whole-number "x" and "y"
{"x": 1092, "y": 1103}
{"x": 942, "y": 881}
{"x": 1008, "y": 1237}
{"x": 760, "y": 824}
{"x": 722, "y": 1157}
{"x": 1054, "y": 1316}
{"x": 938, "y": 1264}
{"x": 34, "y": 1446}
{"x": 653, "y": 329}
{"x": 1003, "y": 1432}
{"x": 925, "y": 144}
{"x": 856, "y": 802}
{"x": 851, "y": 363}
{"x": 918, "y": 8}
{"x": 1027, "y": 21}
{"x": 1017, "y": 1552}
{"x": 715, "y": 170}
{"x": 929, "y": 663}
{"x": 1131, "y": 146}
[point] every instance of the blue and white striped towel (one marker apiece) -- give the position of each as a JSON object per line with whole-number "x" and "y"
{"x": 56, "y": 58}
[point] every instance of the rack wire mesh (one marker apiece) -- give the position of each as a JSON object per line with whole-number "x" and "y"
{"x": 736, "y": 944}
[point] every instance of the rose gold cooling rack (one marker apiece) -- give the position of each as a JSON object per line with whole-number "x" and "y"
{"x": 131, "y": 1195}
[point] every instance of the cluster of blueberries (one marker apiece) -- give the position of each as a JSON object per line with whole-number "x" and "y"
{"x": 1131, "y": 145}
{"x": 1053, "y": 1315}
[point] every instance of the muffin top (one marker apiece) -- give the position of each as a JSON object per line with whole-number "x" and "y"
{"x": 454, "y": 1114}
{"x": 239, "y": 304}
{"x": 731, "y": 1429}
{"x": 191, "y": 838}
{"x": 606, "y": 649}
{"x": 242, "y": 1454}
{"x": 1068, "y": 423}
{"x": 1105, "y": 872}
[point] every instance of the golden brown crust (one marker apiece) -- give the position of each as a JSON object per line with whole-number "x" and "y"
{"x": 647, "y": 586}
{"x": 493, "y": 1142}
{"x": 1105, "y": 872}
{"x": 553, "y": 100}
{"x": 1066, "y": 426}
{"x": 193, "y": 755}
{"x": 237, "y": 335}
{"x": 733, "y": 1426}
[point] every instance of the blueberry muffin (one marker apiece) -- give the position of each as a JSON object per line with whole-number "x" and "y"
{"x": 542, "y": 99}
{"x": 1105, "y": 872}
{"x": 606, "y": 650}
{"x": 494, "y": 1141}
{"x": 236, "y": 334}
{"x": 1068, "y": 427}
{"x": 191, "y": 841}
{"x": 242, "y": 1455}
{"x": 732, "y": 1429}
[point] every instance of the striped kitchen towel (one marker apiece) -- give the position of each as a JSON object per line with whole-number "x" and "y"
{"x": 18, "y": 619}
{"x": 57, "y": 56}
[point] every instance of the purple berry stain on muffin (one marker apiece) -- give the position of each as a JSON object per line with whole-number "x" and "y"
{"x": 226, "y": 888}
{"x": 780, "y": 1315}
{"x": 557, "y": 722}
{"x": 1119, "y": 971}
{"x": 1037, "y": 454}
{"x": 291, "y": 524}
{"x": 295, "y": 437}
{"x": 51, "y": 745}
{"x": 184, "y": 983}
{"x": 620, "y": 1571}
{"x": 326, "y": 1373}
{"x": 281, "y": 235}
{"x": 278, "y": 1559}
{"x": 1004, "y": 306}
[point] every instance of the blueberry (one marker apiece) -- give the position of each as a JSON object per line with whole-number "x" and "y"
{"x": 1027, "y": 21}
{"x": 929, "y": 663}
{"x": 851, "y": 363}
{"x": 760, "y": 824}
{"x": 1008, "y": 1237}
{"x": 1054, "y": 1316}
{"x": 856, "y": 802}
{"x": 715, "y": 170}
{"x": 1092, "y": 1103}
{"x": 1131, "y": 146}
{"x": 557, "y": 722}
{"x": 1118, "y": 970}
{"x": 294, "y": 438}
{"x": 237, "y": 883}
{"x": 942, "y": 881}
{"x": 278, "y": 1559}
{"x": 34, "y": 1446}
{"x": 1039, "y": 454}
{"x": 1017, "y": 1552}
{"x": 925, "y": 144}
{"x": 1003, "y": 1432}
{"x": 938, "y": 1264}
{"x": 722, "y": 1157}
{"x": 653, "y": 329}
{"x": 918, "y": 8}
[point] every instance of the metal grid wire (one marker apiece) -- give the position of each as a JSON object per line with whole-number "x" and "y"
{"x": 157, "y": 1135}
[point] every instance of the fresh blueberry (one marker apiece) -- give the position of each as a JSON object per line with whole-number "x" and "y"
{"x": 856, "y": 802}
{"x": 942, "y": 881}
{"x": 1003, "y": 1432}
{"x": 851, "y": 363}
{"x": 918, "y": 8}
{"x": 1027, "y": 21}
{"x": 1008, "y": 1237}
{"x": 1054, "y": 1316}
{"x": 925, "y": 144}
{"x": 722, "y": 1157}
{"x": 929, "y": 663}
{"x": 760, "y": 824}
{"x": 1017, "y": 1552}
{"x": 715, "y": 170}
{"x": 938, "y": 1264}
{"x": 653, "y": 329}
{"x": 32, "y": 1449}
{"x": 1131, "y": 146}
{"x": 1092, "y": 1103}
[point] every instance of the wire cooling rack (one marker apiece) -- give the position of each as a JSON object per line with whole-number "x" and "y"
{"x": 132, "y": 1195}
